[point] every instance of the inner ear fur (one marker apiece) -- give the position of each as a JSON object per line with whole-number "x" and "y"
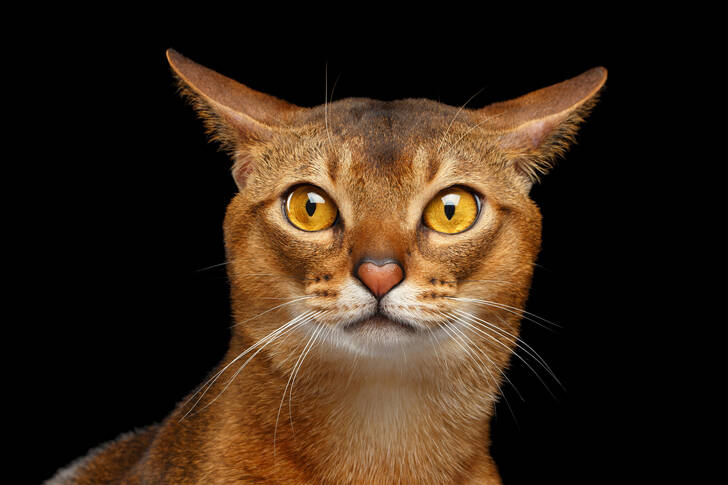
{"x": 535, "y": 129}
{"x": 235, "y": 116}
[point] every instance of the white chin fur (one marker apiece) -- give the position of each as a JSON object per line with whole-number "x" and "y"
{"x": 376, "y": 337}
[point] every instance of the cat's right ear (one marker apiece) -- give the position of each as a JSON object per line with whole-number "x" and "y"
{"x": 235, "y": 116}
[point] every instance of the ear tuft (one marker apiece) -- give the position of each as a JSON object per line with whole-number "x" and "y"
{"x": 217, "y": 130}
{"x": 235, "y": 116}
{"x": 548, "y": 143}
{"x": 536, "y": 129}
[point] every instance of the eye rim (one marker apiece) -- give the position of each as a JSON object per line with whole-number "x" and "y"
{"x": 478, "y": 204}
{"x": 289, "y": 192}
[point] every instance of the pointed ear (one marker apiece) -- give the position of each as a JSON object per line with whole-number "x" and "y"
{"x": 537, "y": 128}
{"x": 235, "y": 116}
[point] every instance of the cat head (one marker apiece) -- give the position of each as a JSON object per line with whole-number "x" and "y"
{"x": 378, "y": 226}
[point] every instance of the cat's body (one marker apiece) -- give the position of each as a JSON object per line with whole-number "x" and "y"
{"x": 379, "y": 338}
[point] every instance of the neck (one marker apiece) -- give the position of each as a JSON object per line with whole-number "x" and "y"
{"x": 400, "y": 421}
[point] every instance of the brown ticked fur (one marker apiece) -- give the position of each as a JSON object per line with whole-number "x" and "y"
{"x": 405, "y": 407}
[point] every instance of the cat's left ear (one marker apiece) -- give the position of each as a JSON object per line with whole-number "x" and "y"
{"x": 537, "y": 128}
{"x": 236, "y": 116}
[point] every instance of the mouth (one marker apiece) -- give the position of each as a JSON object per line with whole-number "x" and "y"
{"x": 379, "y": 323}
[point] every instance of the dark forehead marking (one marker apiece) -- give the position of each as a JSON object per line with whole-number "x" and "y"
{"x": 382, "y": 132}
{"x": 385, "y": 134}
{"x": 381, "y": 142}
{"x": 332, "y": 165}
{"x": 358, "y": 116}
{"x": 433, "y": 165}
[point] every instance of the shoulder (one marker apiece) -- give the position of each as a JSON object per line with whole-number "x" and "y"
{"x": 108, "y": 462}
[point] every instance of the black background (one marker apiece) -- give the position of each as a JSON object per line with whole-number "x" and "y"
{"x": 114, "y": 203}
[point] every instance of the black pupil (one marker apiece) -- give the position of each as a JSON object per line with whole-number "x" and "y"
{"x": 449, "y": 211}
{"x": 310, "y": 208}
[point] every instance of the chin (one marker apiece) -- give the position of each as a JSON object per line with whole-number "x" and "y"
{"x": 380, "y": 336}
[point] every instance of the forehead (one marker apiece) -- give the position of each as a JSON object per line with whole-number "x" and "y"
{"x": 395, "y": 144}
{"x": 380, "y": 152}
{"x": 408, "y": 143}
{"x": 382, "y": 148}
{"x": 386, "y": 132}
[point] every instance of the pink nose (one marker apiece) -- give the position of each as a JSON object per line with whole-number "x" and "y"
{"x": 380, "y": 279}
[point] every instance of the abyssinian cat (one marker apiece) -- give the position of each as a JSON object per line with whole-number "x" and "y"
{"x": 379, "y": 256}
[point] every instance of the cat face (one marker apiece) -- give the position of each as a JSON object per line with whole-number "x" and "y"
{"x": 384, "y": 228}
{"x": 376, "y": 171}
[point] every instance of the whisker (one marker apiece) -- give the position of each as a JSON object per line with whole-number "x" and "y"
{"x": 489, "y": 360}
{"x": 212, "y": 266}
{"x": 469, "y": 130}
{"x": 482, "y": 281}
{"x": 447, "y": 328}
{"x": 515, "y": 310}
{"x": 512, "y": 338}
{"x": 500, "y": 390}
{"x": 527, "y": 348}
{"x": 518, "y": 342}
{"x": 271, "y": 309}
{"x": 444, "y": 135}
{"x": 277, "y": 298}
{"x": 436, "y": 349}
{"x": 275, "y": 274}
{"x": 327, "y": 102}
{"x": 280, "y": 406}
{"x": 240, "y": 369}
{"x": 293, "y": 323}
{"x": 293, "y": 382}
{"x": 333, "y": 88}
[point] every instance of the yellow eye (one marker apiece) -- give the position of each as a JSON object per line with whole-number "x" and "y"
{"x": 451, "y": 211}
{"x": 310, "y": 209}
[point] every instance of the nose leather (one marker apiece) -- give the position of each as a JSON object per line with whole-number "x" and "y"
{"x": 380, "y": 279}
